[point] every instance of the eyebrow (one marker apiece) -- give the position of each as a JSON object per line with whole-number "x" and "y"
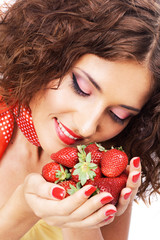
{"x": 99, "y": 89}
{"x": 91, "y": 80}
{"x": 130, "y": 108}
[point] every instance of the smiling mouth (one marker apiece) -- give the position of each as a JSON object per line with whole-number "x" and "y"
{"x": 65, "y": 134}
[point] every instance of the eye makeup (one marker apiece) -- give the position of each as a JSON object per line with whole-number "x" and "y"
{"x": 80, "y": 86}
{"x": 116, "y": 118}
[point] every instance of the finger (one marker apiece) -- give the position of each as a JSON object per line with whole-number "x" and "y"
{"x": 37, "y": 185}
{"x": 56, "y": 208}
{"x": 74, "y": 201}
{"x": 124, "y": 200}
{"x": 107, "y": 221}
{"x": 92, "y": 205}
{"x": 135, "y": 164}
{"x": 134, "y": 180}
{"x": 95, "y": 219}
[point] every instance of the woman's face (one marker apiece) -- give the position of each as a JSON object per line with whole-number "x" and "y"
{"x": 94, "y": 102}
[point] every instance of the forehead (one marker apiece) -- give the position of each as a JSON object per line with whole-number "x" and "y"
{"x": 121, "y": 80}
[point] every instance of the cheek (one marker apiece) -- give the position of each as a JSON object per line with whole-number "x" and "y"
{"x": 109, "y": 129}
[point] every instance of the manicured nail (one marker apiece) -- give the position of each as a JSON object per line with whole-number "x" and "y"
{"x": 91, "y": 190}
{"x": 110, "y": 217}
{"x": 136, "y": 177}
{"x": 127, "y": 195}
{"x": 106, "y": 199}
{"x": 136, "y": 162}
{"x": 110, "y": 212}
{"x": 58, "y": 193}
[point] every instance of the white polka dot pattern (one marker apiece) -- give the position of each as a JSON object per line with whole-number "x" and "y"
{"x": 25, "y": 123}
{"x": 6, "y": 126}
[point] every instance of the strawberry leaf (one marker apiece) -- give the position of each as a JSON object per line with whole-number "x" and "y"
{"x": 74, "y": 189}
{"x": 91, "y": 175}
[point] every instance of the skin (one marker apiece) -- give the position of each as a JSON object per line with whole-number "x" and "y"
{"x": 24, "y": 195}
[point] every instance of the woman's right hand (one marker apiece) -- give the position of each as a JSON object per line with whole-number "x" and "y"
{"x": 47, "y": 201}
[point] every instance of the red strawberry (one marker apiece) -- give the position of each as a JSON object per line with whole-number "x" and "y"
{"x": 6, "y": 130}
{"x": 70, "y": 186}
{"x": 25, "y": 123}
{"x": 96, "y": 151}
{"x": 114, "y": 162}
{"x": 67, "y": 156}
{"x": 111, "y": 185}
{"x": 54, "y": 172}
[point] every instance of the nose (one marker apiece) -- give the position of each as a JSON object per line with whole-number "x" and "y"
{"x": 89, "y": 121}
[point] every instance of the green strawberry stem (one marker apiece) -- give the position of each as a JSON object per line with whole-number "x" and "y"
{"x": 62, "y": 174}
{"x": 73, "y": 189}
{"x": 81, "y": 153}
{"x": 118, "y": 148}
{"x": 100, "y": 147}
{"x": 84, "y": 169}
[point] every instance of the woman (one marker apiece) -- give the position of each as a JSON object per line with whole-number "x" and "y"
{"x": 79, "y": 71}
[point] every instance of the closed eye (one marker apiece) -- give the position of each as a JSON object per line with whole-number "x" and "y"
{"x": 77, "y": 88}
{"x": 116, "y": 118}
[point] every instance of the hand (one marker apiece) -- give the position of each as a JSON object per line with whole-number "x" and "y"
{"x": 75, "y": 211}
{"x": 134, "y": 180}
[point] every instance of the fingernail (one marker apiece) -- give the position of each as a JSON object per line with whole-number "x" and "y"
{"x": 91, "y": 190}
{"x": 110, "y": 212}
{"x": 110, "y": 217}
{"x": 127, "y": 195}
{"x": 136, "y": 177}
{"x": 136, "y": 162}
{"x": 58, "y": 193}
{"x": 106, "y": 199}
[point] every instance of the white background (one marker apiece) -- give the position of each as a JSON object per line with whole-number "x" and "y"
{"x": 145, "y": 221}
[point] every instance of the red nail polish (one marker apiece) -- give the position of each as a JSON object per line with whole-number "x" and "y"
{"x": 91, "y": 190}
{"x": 110, "y": 211}
{"x": 58, "y": 193}
{"x": 110, "y": 217}
{"x": 106, "y": 199}
{"x": 136, "y": 177}
{"x": 136, "y": 162}
{"x": 127, "y": 195}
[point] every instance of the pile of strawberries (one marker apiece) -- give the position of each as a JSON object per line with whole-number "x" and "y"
{"x": 74, "y": 167}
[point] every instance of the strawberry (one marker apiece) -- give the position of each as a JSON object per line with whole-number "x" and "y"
{"x": 54, "y": 172}
{"x": 77, "y": 177}
{"x": 111, "y": 185}
{"x": 70, "y": 186}
{"x": 114, "y": 162}
{"x": 96, "y": 151}
{"x": 67, "y": 156}
{"x": 6, "y": 130}
{"x": 85, "y": 169}
{"x": 25, "y": 124}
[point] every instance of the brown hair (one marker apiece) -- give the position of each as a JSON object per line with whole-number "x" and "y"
{"x": 41, "y": 41}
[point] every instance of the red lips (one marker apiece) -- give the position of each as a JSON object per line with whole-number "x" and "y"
{"x": 63, "y": 137}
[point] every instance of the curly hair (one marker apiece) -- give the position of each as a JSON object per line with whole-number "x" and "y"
{"x": 42, "y": 40}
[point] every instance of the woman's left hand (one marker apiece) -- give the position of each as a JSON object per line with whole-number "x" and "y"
{"x": 133, "y": 182}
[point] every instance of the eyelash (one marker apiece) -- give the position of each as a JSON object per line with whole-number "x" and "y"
{"x": 76, "y": 87}
{"x": 116, "y": 118}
